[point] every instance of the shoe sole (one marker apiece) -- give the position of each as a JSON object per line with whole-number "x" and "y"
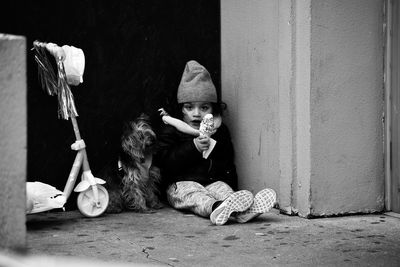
{"x": 263, "y": 202}
{"x": 237, "y": 202}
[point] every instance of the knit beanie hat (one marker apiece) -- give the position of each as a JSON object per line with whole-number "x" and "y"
{"x": 196, "y": 85}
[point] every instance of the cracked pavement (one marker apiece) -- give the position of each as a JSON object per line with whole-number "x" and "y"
{"x": 172, "y": 238}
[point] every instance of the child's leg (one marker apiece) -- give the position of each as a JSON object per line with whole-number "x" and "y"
{"x": 191, "y": 196}
{"x": 219, "y": 190}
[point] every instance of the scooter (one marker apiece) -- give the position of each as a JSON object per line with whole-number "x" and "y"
{"x": 93, "y": 198}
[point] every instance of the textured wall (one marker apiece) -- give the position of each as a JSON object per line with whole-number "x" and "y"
{"x": 13, "y": 141}
{"x": 304, "y": 84}
{"x": 347, "y": 172}
{"x": 249, "y": 75}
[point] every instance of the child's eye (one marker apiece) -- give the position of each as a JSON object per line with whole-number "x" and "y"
{"x": 205, "y": 108}
{"x": 188, "y": 107}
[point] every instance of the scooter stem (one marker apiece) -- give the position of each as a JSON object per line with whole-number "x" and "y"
{"x": 85, "y": 162}
{"x": 86, "y": 166}
{"x": 73, "y": 174}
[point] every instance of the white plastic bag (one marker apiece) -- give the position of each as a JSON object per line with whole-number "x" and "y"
{"x": 42, "y": 197}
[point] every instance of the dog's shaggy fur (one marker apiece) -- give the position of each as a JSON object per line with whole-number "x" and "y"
{"x": 136, "y": 185}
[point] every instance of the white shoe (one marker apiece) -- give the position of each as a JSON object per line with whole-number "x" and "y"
{"x": 263, "y": 202}
{"x": 236, "y": 202}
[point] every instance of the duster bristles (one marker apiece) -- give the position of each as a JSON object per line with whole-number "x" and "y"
{"x": 55, "y": 84}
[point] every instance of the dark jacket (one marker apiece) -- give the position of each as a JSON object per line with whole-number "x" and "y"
{"x": 179, "y": 159}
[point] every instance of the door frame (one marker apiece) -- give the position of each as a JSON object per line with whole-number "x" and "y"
{"x": 391, "y": 25}
{"x": 387, "y": 85}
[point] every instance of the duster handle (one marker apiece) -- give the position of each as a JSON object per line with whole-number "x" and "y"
{"x": 86, "y": 166}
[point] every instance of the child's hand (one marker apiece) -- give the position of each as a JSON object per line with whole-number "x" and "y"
{"x": 202, "y": 142}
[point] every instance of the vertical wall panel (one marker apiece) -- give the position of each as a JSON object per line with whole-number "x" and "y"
{"x": 249, "y": 73}
{"x": 347, "y": 106}
{"x": 13, "y": 141}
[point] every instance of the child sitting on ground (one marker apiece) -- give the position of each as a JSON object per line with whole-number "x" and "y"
{"x": 204, "y": 184}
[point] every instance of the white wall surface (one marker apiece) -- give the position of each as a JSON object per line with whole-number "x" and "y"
{"x": 303, "y": 81}
{"x": 249, "y": 73}
{"x": 347, "y": 104}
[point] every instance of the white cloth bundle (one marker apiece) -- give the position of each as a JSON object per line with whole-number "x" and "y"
{"x": 42, "y": 197}
{"x": 74, "y": 64}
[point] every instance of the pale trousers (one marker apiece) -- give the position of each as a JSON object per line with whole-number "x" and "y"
{"x": 188, "y": 195}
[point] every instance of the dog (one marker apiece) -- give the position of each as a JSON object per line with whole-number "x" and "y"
{"x": 135, "y": 184}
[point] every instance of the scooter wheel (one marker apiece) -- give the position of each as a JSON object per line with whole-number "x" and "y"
{"x": 87, "y": 205}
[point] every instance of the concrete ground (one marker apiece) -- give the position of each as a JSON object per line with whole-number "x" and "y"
{"x": 172, "y": 238}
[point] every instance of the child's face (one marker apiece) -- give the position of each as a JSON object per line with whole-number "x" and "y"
{"x": 193, "y": 112}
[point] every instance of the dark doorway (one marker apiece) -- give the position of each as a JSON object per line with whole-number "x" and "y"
{"x": 135, "y": 53}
